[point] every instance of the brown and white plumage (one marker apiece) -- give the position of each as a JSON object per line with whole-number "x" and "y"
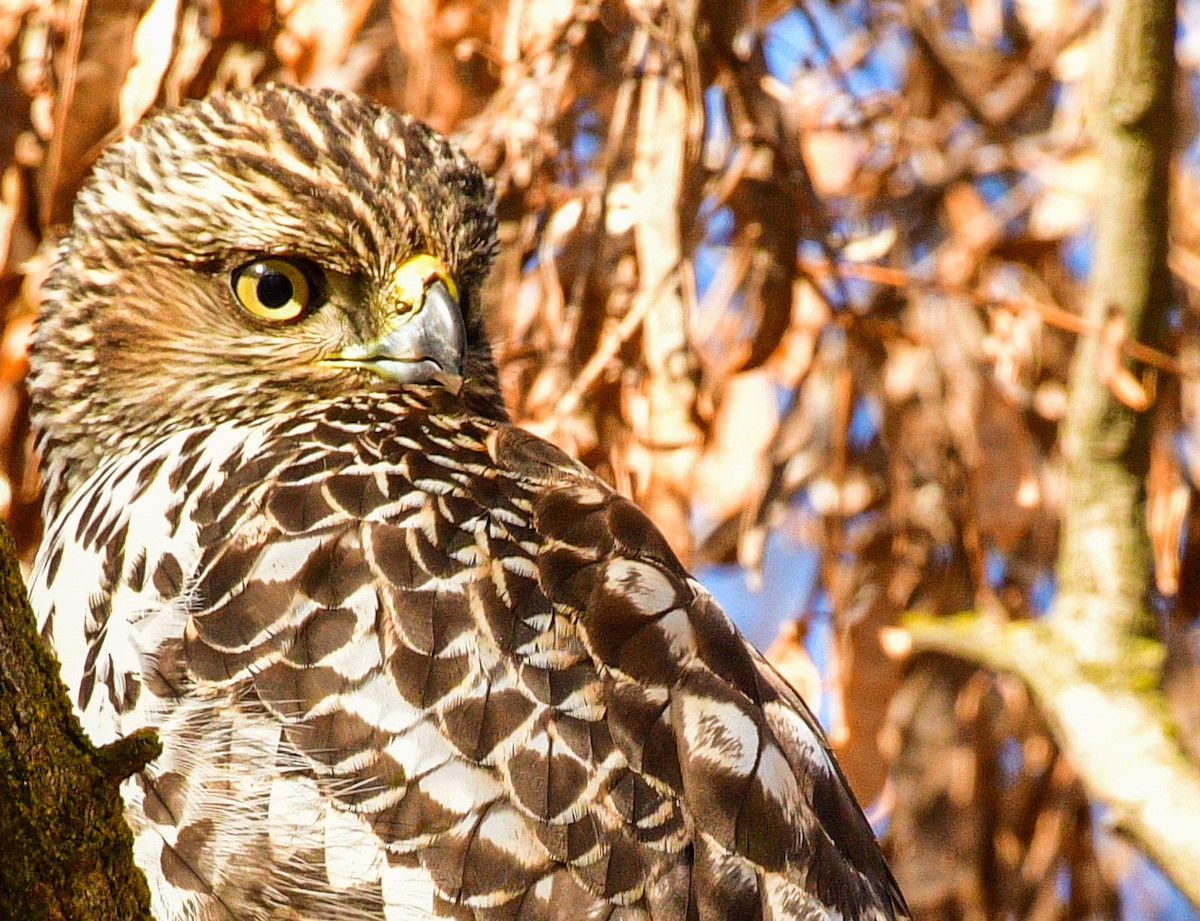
{"x": 406, "y": 660}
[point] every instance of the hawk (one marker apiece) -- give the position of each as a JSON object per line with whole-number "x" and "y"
{"x": 406, "y": 660}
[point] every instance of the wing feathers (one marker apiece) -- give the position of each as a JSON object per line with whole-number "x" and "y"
{"x": 491, "y": 665}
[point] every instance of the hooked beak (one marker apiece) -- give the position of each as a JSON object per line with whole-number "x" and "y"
{"x": 425, "y": 338}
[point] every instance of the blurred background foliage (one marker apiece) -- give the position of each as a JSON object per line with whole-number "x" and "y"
{"x": 802, "y": 278}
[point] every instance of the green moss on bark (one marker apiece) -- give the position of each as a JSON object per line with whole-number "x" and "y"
{"x": 67, "y": 852}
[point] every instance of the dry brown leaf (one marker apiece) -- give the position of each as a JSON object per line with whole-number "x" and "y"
{"x": 871, "y": 246}
{"x": 810, "y": 314}
{"x": 1135, "y": 394}
{"x": 791, "y": 659}
{"x": 198, "y": 22}
{"x": 12, "y": 12}
{"x": 1041, "y": 17}
{"x": 1065, "y": 203}
{"x": 966, "y": 211}
{"x": 666, "y": 439}
{"x": 833, "y": 158}
{"x": 14, "y": 349}
{"x": 896, "y": 643}
{"x": 153, "y": 40}
{"x": 837, "y": 676}
{"x": 316, "y": 36}
{"x": 11, "y": 199}
{"x": 1129, "y": 390}
{"x": 1005, "y": 473}
{"x": 986, "y": 18}
{"x": 98, "y": 54}
{"x": 413, "y": 21}
{"x": 536, "y": 25}
{"x": 1168, "y": 505}
{"x": 738, "y": 440}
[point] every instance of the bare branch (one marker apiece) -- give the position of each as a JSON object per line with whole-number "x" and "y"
{"x": 1110, "y": 721}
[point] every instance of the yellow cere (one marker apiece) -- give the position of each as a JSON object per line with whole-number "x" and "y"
{"x": 409, "y": 282}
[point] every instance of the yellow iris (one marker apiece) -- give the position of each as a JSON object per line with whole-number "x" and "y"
{"x": 272, "y": 289}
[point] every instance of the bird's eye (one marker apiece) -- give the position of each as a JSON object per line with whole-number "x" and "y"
{"x": 272, "y": 289}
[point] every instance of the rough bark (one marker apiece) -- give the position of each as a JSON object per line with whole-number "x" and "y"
{"x": 1104, "y": 568}
{"x": 67, "y": 850}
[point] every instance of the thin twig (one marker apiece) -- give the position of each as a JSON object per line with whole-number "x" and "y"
{"x": 1052, "y": 314}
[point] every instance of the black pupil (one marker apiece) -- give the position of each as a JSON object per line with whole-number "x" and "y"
{"x": 274, "y": 289}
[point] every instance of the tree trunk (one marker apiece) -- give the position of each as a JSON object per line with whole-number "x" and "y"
{"x": 1104, "y": 567}
{"x": 68, "y": 852}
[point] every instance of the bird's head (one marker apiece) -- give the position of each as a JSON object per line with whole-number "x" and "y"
{"x": 247, "y": 254}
